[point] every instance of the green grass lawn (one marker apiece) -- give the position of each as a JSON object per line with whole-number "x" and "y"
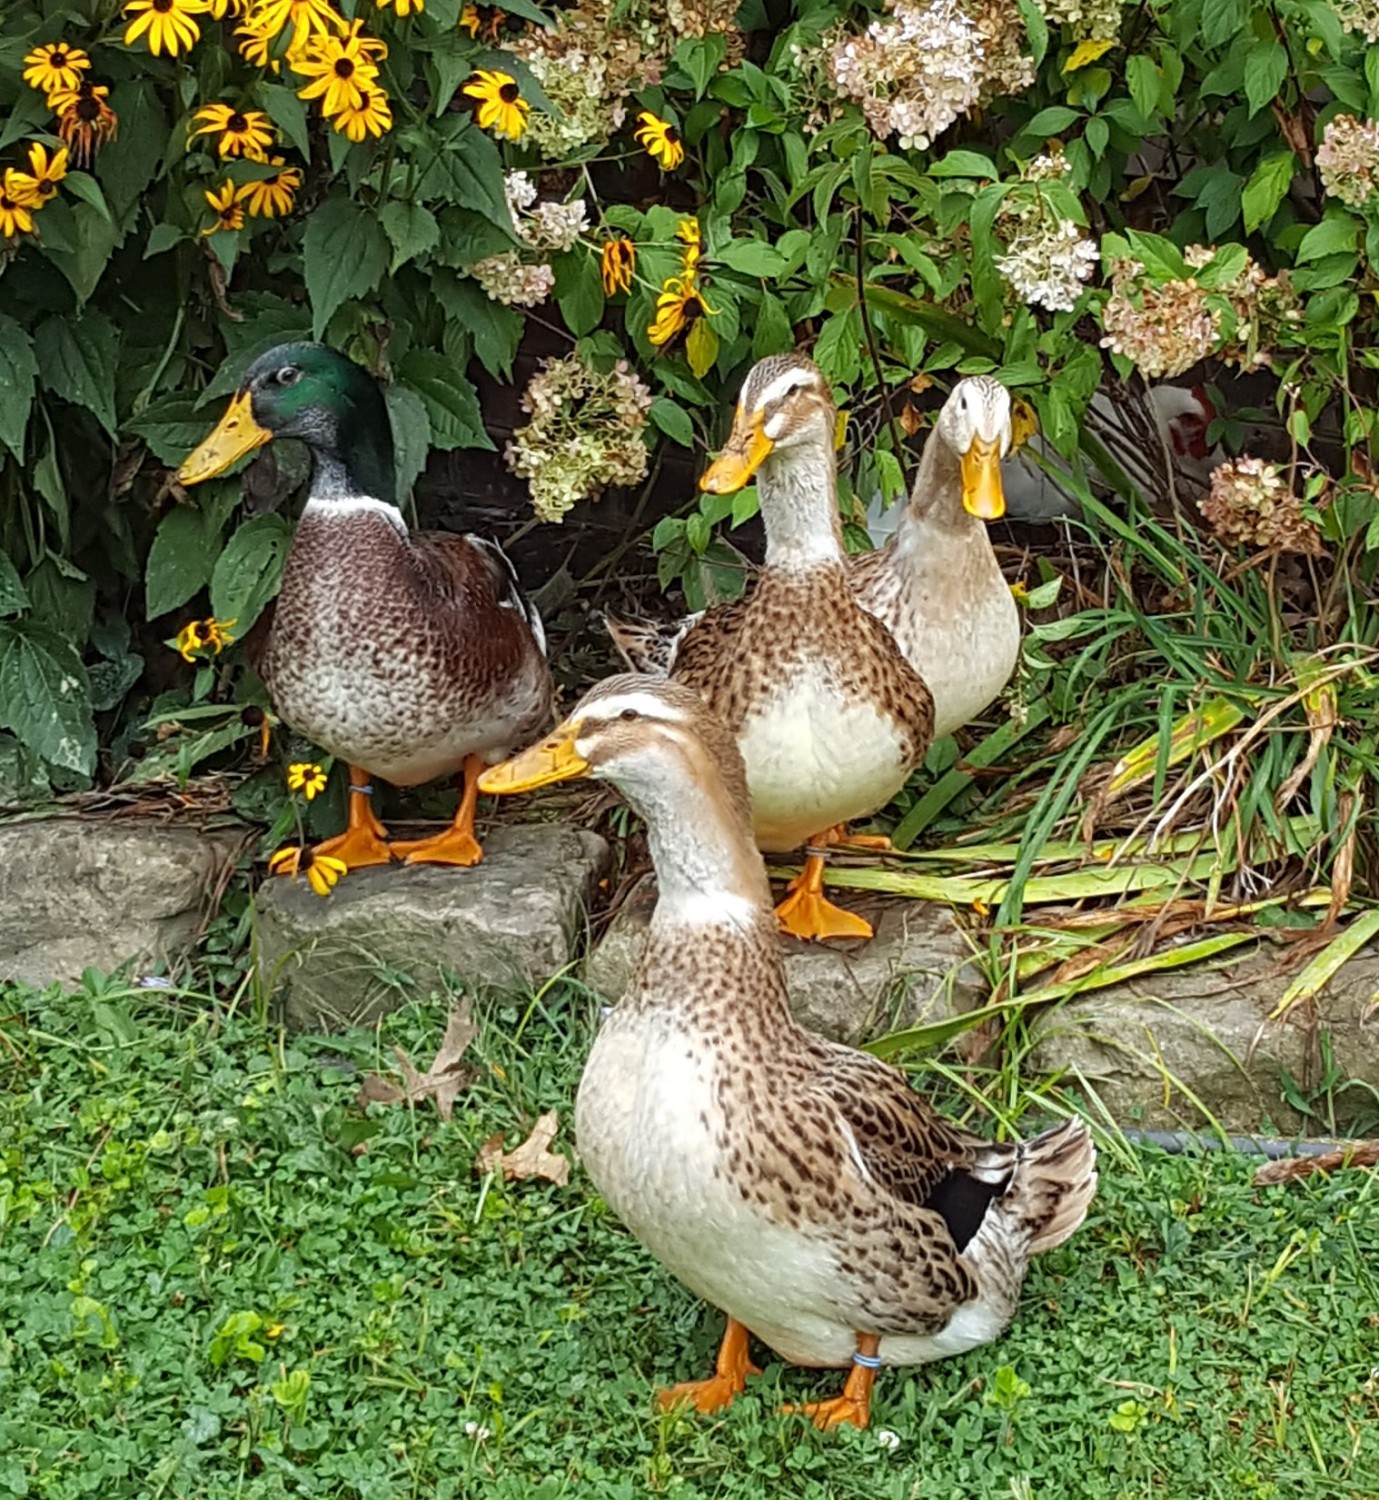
{"x": 219, "y": 1278}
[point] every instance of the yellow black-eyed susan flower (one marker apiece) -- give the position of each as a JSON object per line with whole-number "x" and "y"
{"x": 618, "y": 264}
{"x": 305, "y": 17}
{"x": 470, "y": 20}
{"x": 84, "y": 120}
{"x": 272, "y": 197}
{"x": 323, "y": 871}
{"x": 55, "y": 65}
{"x": 16, "y": 210}
{"x": 204, "y": 635}
{"x": 224, "y": 202}
{"x": 678, "y": 305}
{"x": 165, "y": 25}
{"x": 338, "y": 67}
{"x": 306, "y": 777}
{"x": 241, "y": 132}
{"x": 687, "y": 231}
{"x": 371, "y": 115}
{"x": 39, "y": 183}
{"x": 661, "y": 139}
{"x": 502, "y": 109}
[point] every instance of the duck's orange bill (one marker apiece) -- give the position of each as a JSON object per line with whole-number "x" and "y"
{"x": 746, "y": 449}
{"x": 554, "y": 759}
{"x": 236, "y": 434}
{"x": 982, "y": 495}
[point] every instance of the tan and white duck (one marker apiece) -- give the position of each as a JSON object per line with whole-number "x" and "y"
{"x": 936, "y": 584}
{"x": 408, "y": 655}
{"x": 801, "y": 1186}
{"x": 829, "y": 716}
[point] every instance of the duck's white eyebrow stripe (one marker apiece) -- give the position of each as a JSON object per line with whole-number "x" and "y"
{"x": 646, "y": 704}
{"x": 782, "y": 385}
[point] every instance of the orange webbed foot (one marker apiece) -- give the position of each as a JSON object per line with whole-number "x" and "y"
{"x": 453, "y": 847}
{"x": 364, "y": 841}
{"x": 806, "y": 912}
{"x": 457, "y": 845}
{"x": 833, "y": 1413}
{"x": 722, "y": 1388}
{"x": 808, "y": 915}
{"x": 853, "y": 1407}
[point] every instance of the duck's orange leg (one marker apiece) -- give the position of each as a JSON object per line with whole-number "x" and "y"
{"x": 364, "y": 841}
{"x": 728, "y": 1381}
{"x": 854, "y": 1405}
{"x": 806, "y": 912}
{"x": 457, "y": 845}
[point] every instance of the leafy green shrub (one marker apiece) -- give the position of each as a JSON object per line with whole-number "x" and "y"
{"x": 933, "y": 188}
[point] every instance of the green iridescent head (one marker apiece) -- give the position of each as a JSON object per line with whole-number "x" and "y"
{"x": 310, "y": 392}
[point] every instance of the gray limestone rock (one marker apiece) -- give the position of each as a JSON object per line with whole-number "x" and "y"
{"x": 918, "y": 968}
{"x": 1158, "y": 1049}
{"x": 385, "y": 936}
{"x": 82, "y": 892}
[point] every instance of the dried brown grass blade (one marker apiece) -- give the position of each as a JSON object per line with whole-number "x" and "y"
{"x": 1290, "y": 1169}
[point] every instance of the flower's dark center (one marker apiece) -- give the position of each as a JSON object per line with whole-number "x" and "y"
{"x": 7, "y": 203}
{"x": 344, "y": 67}
{"x": 237, "y": 124}
{"x": 201, "y": 633}
{"x": 672, "y": 135}
{"x": 509, "y": 93}
{"x": 88, "y": 109}
{"x": 163, "y": 6}
{"x": 46, "y": 188}
{"x": 57, "y": 57}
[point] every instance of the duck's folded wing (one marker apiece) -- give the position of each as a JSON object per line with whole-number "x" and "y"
{"x": 900, "y": 1145}
{"x": 475, "y": 575}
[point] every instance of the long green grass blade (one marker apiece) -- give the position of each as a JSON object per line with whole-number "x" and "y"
{"x": 1324, "y": 966}
{"x": 956, "y": 781}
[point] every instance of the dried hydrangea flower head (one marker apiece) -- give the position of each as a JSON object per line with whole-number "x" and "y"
{"x": 924, "y": 66}
{"x": 1251, "y": 504}
{"x": 1348, "y": 159}
{"x": 1163, "y": 329}
{"x": 585, "y": 433}
{"x": 1361, "y": 16}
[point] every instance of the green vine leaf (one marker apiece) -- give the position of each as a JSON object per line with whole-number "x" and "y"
{"x": 45, "y": 696}
{"x": 345, "y": 254}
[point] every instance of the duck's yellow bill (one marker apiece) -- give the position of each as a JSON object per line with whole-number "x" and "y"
{"x": 982, "y": 495}
{"x": 236, "y": 434}
{"x": 554, "y": 759}
{"x": 746, "y": 450}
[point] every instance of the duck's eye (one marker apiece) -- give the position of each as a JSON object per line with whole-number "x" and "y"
{"x": 288, "y": 375}
{"x": 628, "y": 714}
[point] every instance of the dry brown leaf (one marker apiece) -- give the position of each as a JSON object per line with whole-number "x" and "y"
{"x": 531, "y": 1158}
{"x": 444, "y": 1081}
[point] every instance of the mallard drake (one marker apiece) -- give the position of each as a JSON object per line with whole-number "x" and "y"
{"x": 829, "y": 716}
{"x": 801, "y": 1186}
{"x": 409, "y": 656}
{"x": 936, "y": 584}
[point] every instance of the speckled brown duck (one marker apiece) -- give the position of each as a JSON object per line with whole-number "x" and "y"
{"x": 936, "y": 584}
{"x": 408, "y": 655}
{"x": 801, "y": 1186}
{"x": 827, "y": 713}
